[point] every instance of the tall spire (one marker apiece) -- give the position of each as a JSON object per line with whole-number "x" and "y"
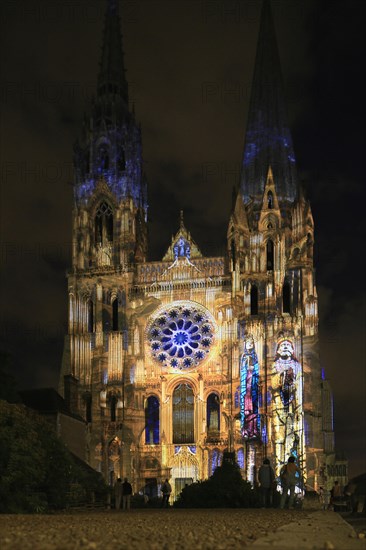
{"x": 112, "y": 78}
{"x": 268, "y": 140}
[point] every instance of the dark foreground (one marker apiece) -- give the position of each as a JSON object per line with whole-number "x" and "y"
{"x": 139, "y": 529}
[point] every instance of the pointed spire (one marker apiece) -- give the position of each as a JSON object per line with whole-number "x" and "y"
{"x": 112, "y": 78}
{"x": 268, "y": 140}
{"x": 239, "y": 216}
{"x": 270, "y": 216}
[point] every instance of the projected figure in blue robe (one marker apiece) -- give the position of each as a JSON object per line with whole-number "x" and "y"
{"x": 249, "y": 390}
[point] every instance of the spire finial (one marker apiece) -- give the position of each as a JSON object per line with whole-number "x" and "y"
{"x": 181, "y": 220}
{"x": 268, "y": 139}
{"x": 112, "y": 78}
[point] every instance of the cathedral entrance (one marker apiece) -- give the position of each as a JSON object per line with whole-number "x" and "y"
{"x": 184, "y": 468}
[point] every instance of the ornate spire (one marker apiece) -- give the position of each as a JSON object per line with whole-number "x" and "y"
{"x": 112, "y": 78}
{"x": 268, "y": 140}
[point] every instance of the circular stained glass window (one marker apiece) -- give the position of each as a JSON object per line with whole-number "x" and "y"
{"x": 181, "y": 335}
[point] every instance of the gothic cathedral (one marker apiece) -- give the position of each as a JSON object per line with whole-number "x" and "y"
{"x": 174, "y": 362}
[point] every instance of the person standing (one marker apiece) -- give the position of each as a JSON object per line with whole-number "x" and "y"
{"x": 118, "y": 493}
{"x": 290, "y": 475}
{"x": 336, "y": 495}
{"x": 166, "y": 489}
{"x": 266, "y": 478}
{"x": 126, "y": 494}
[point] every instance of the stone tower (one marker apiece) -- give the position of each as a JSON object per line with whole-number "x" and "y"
{"x": 174, "y": 362}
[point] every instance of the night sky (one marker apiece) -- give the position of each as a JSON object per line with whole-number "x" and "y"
{"x": 189, "y": 67}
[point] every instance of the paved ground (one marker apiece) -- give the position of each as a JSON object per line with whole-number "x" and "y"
{"x": 178, "y": 529}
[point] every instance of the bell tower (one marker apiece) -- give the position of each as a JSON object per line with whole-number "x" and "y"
{"x": 109, "y": 239}
{"x": 110, "y": 210}
{"x": 270, "y": 247}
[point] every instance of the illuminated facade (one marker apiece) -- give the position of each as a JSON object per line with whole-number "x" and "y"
{"x": 173, "y": 362}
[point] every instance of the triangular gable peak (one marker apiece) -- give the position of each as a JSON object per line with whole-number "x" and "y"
{"x": 240, "y": 215}
{"x": 100, "y": 193}
{"x": 270, "y": 216}
{"x": 238, "y": 218}
{"x": 182, "y": 245}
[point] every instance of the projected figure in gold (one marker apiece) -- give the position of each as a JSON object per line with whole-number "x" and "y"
{"x": 287, "y": 401}
{"x": 249, "y": 390}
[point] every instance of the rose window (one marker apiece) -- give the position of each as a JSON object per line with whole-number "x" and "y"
{"x": 181, "y": 336}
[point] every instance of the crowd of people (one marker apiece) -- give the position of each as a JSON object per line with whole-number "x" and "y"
{"x": 123, "y": 492}
{"x": 290, "y": 477}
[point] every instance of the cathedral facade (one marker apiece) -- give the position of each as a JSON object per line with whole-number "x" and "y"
{"x": 174, "y": 362}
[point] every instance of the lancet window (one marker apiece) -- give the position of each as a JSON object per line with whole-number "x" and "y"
{"x": 215, "y": 460}
{"x": 88, "y": 408}
{"x": 115, "y": 324}
{"x": 183, "y": 414}
{"x": 270, "y": 199}
{"x": 270, "y": 255}
{"x": 104, "y": 224}
{"x": 152, "y": 413}
{"x": 254, "y": 300}
{"x": 103, "y": 159}
{"x": 213, "y": 413}
{"x": 90, "y": 308}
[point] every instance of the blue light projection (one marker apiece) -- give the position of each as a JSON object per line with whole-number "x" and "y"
{"x": 263, "y": 138}
{"x": 114, "y": 154}
{"x": 182, "y": 249}
{"x": 240, "y": 458}
{"x": 268, "y": 145}
{"x": 215, "y": 460}
{"x": 249, "y": 396}
{"x": 181, "y": 336}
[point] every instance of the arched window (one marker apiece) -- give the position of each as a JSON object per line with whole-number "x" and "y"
{"x": 215, "y": 460}
{"x": 270, "y": 199}
{"x": 88, "y": 408}
{"x": 213, "y": 413}
{"x": 104, "y": 224}
{"x": 152, "y": 420}
{"x": 103, "y": 159}
{"x": 115, "y": 325}
{"x": 254, "y": 300}
{"x": 286, "y": 297}
{"x": 183, "y": 414}
{"x": 270, "y": 255}
{"x": 90, "y": 316}
{"x": 113, "y": 408}
{"x": 237, "y": 397}
{"x": 106, "y": 319}
{"x": 240, "y": 458}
